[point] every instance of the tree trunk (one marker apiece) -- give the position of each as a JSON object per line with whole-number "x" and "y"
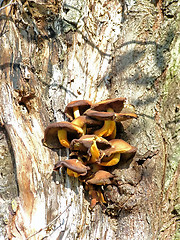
{"x": 54, "y": 52}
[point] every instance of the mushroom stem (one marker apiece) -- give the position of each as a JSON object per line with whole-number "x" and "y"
{"x": 101, "y": 197}
{"x": 111, "y": 129}
{"x": 113, "y": 134}
{"x": 62, "y": 135}
{"x": 100, "y": 132}
{"x": 72, "y": 173}
{"x": 94, "y": 196}
{"x": 107, "y": 128}
{"x": 94, "y": 152}
{"x": 80, "y": 122}
{"x": 113, "y": 160}
{"x": 76, "y": 112}
{"x": 84, "y": 129}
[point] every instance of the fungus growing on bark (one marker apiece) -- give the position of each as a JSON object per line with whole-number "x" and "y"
{"x": 76, "y": 108}
{"x": 55, "y": 135}
{"x": 75, "y": 168}
{"x": 113, "y": 154}
{"x": 91, "y": 154}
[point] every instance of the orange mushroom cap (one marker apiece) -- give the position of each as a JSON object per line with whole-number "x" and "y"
{"x": 96, "y": 195}
{"x": 92, "y": 145}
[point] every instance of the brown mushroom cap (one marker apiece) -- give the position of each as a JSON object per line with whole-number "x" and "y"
{"x": 100, "y": 115}
{"x": 74, "y": 165}
{"x": 118, "y": 145}
{"x": 51, "y": 133}
{"x": 101, "y": 177}
{"x": 85, "y": 142}
{"x": 127, "y": 112}
{"x": 119, "y": 117}
{"x": 83, "y": 105}
{"x": 116, "y": 104}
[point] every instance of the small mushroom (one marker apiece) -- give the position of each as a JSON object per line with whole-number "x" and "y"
{"x": 126, "y": 115}
{"x": 107, "y": 117}
{"x": 109, "y": 105}
{"x": 119, "y": 149}
{"x": 101, "y": 177}
{"x": 91, "y": 144}
{"x": 75, "y": 168}
{"x": 76, "y": 108}
{"x": 96, "y": 196}
{"x": 119, "y": 117}
{"x": 55, "y": 135}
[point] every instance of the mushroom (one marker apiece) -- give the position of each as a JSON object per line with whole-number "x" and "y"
{"x": 101, "y": 177}
{"x": 96, "y": 196}
{"x": 116, "y": 104}
{"x": 126, "y": 115}
{"x": 107, "y": 117}
{"x": 84, "y": 122}
{"x": 76, "y": 108}
{"x": 94, "y": 167}
{"x": 109, "y": 105}
{"x": 91, "y": 144}
{"x": 75, "y": 168}
{"x": 55, "y": 135}
{"x": 119, "y": 117}
{"x": 119, "y": 148}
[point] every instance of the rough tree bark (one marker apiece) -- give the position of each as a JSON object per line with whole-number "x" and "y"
{"x": 53, "y": 52}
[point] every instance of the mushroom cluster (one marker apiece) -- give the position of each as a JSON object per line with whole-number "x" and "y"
{"x": 91, "y": 136}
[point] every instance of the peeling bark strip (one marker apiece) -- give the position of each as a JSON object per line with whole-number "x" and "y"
{"x": 54, "y": 52}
